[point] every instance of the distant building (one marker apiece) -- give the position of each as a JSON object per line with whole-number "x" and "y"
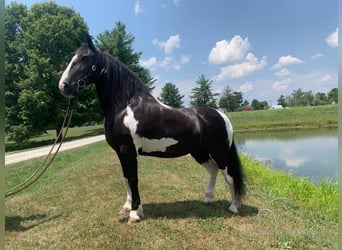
{"x": 247, "y": 108}
{"x": 276, "y": 107}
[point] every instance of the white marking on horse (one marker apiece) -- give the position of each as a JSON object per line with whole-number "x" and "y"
{"x": 212, "y": 169}
{"x": 147, "y": 145}
{"x": 162, "y": 104}
{"x": 66, "y": 73}
{"x": 234, "y": 205}
{"x": 127, "y": 207}
{"x": 229, "y": 127}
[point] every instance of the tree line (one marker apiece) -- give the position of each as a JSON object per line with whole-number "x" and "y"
{"x": 40, "y": 41}
{"x": 232, "y": 101}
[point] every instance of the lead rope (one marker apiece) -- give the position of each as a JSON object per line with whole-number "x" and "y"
{"x": 49, "y": 157}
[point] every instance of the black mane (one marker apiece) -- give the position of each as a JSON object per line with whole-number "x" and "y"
{"x": 125, "y": 84}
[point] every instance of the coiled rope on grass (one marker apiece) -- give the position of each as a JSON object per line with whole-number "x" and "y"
{"x": 44, "y": 165}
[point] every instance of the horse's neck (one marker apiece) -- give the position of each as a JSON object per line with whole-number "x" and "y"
{"x": 114, "y": 102}
{"x": 112, "y": 92}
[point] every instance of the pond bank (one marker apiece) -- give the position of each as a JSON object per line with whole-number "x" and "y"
{"x": 284, "y": 128}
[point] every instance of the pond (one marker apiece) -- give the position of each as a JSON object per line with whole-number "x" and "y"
{"x": 310, "y": 153}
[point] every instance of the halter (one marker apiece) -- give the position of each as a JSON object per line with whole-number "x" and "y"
{"x": 81, "y": 83}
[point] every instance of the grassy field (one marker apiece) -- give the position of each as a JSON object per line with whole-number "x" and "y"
{"x": 75, "y": 204}
{"x": 301, "y": 117}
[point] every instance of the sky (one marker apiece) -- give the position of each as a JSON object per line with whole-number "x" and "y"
{"x": 262, "y": 48}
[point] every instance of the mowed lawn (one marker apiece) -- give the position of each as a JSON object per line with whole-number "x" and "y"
{"x": 299, "y": 117}
{"x": 75, "y": 205}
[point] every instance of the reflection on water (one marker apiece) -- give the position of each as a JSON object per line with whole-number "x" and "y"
{"x": 311, "y": 153}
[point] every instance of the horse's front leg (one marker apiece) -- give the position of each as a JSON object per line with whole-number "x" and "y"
{"x": 129, "y": 164}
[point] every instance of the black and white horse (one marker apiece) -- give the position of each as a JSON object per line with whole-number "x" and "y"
{"x": 136, "y": 123}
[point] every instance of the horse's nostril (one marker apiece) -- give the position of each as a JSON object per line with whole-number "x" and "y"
{"x": 81, "y": 83}
{"x": 65, "y": 84}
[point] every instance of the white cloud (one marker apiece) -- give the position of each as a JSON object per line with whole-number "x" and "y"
{"x": 281, "y": 85}
{"x": 316, "y": 56}
{"x": 246, "y": 87}
{"x": 282, "y": 72}
{"x": 169, "y": 45}
{"x": 229, "y": 51}
{"x": 286, "y": 61}
{"x": 327, "y": 79}
{"x": 250, "y": 65}
{"x": 332, "y": 39}
{"x": 184, "y": 59}
{"x": 149, "y": 63}
{"x": 137, "y": 8}
{"x": 169, "y": 63}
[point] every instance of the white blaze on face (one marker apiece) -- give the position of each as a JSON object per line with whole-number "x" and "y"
{"x": 229, "y": 127}
{"x": 147, "y": 145}
{"x": 66, "y": 73}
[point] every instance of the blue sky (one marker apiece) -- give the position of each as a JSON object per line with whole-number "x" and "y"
{"x": 262, "y": 48}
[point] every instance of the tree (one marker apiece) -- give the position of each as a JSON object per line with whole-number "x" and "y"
{"x": 202, "y": 95}
{"x": 257, "y": 105}
{"x": 237, "y": 100}
{"x": 231, "y": 101}
{"x": 245, "y": 103}
{"x": 301, "y": 98}
{"x": 333, "y": 95}
{"x": 225, "y": 101}
{"x": 282, "y": 101}
{"x": 38, "y": 48}
{"x": 119, "y": 43}
{"x": 320, "y": 99}
{"x": 14, "y": 68}
{"x": 170, "y": 95}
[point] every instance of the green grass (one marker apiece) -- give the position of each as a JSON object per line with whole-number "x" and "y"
{"x": 75, "y": 203}
{"x": 301, "y": 117}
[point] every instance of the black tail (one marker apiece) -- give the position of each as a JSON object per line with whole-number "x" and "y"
{"x": 235, "y": 170}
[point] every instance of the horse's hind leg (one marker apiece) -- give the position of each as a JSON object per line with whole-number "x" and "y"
{"x": 230, "y": 181}
{"x": 220, "y": 159}
{"x": 205, "y": 160}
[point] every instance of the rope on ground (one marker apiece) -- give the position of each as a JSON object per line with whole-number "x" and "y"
{"x": 49, "y": 157}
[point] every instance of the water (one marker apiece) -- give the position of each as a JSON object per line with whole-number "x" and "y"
{"x": 309, "y": 153}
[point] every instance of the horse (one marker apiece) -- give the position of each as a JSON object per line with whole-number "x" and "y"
{"x": 136, "y": 123}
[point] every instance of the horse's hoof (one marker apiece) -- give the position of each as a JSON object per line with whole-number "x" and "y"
{"x": 124, "y": 211}
{"x": 208, "y": 201}
{"x": 233, "y": 209}
{"x": 132, "y": 220}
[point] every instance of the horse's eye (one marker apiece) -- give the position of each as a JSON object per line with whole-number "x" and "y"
{"x": 85, "y": 58}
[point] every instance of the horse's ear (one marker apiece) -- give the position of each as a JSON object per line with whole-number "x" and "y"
{"x": 90, "y": 43}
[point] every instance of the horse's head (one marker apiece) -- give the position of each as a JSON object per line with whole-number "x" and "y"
{"x": 81, "y": 70}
